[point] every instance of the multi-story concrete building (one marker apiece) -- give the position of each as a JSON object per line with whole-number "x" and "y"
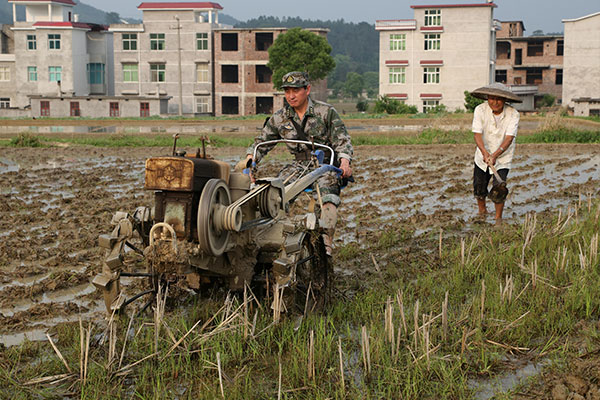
{"x": 8, "y": 87}
{"x": 169, "y": 53}
{"x": 243, "y": 82}
{"x": 56, "y": 55}
{"x": 581, "y": 82}
{"x": 432, "y": 59}
{"x": 529, "y": 62}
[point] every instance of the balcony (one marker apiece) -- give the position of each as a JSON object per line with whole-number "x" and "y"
{"x": 396, "y": 24}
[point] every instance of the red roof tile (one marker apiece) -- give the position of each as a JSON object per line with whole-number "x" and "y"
{"x": 456, "y": 5}
{"x": 69, "y": 2}
{"x": 71, "y": 25}
{"x": 179, "y": 5}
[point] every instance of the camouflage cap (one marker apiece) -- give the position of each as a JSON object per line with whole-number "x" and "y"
{"x": 295, "y": 79}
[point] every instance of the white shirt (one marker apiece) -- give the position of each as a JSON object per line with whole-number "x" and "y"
{"x": 494, "y": 133}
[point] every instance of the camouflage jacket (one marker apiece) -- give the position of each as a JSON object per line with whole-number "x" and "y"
{"x": 323, "y": 123}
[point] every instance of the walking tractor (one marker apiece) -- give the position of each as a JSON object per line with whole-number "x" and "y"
{"x": 211, "y": 225}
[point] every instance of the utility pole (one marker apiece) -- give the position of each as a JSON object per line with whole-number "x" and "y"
{"x": 179, "y": 60}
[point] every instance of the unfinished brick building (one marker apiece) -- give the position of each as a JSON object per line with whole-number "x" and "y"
{"x": 243, "y": 83}
{"x": 529, "y": 60}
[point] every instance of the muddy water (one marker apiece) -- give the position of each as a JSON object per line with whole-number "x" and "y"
{"x": 55, "y": 202}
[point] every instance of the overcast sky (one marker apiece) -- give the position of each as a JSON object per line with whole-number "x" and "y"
{"x": 535, "y": 14}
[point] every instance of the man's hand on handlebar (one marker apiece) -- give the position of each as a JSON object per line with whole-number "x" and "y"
{"x": 345, "y": 167}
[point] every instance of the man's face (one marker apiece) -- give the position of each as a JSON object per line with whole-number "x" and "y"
{"x": 297, "y": 97}
{"x": 496, "y": 104}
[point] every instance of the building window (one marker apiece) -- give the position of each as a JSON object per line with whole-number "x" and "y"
{"x": 535, "y": 48}
{"x": 157, "y": 41}
{"x": 130, "y": 72}
{"x": 229, "y": 74}
{"x": 202, "y": 73}
{"x": 501, "y": 76}
{"x": 55, "y": 74}
{"x": 157, "y": 72}
{"x": 75, "y": 111}
{"x": 397, "y": 75}
{"x": 201, "y": 41}
{"x": 45, "y": 108}
{"x": 429, "y": 105}
{"x": 95, "y": 73}
{"x": 144, "y": 109}
{"x": 534, "y": 76}
{"x": 229, "y": 41}
{"x": 263, "y": 74}
{"x": 560, "y": 47}
{"x": 431, "y": 75}
{"x": 5, "y": 73}
{"x": 432, "y": 41}
{"x": 559, "y": 76}
{"x": 4, "y": 102}
{"x": 114, "y": 109}
{"x": 32, "y": 74}
{"x": 31, "y": 42}
{"x": 398, "y": 41}
{"x": 433, "y": 17}
{"x": 54, "y": 41}
{"x": 130, "y": 41}
{"x": 202, "y": 103}
{"x": 264, "y": 40}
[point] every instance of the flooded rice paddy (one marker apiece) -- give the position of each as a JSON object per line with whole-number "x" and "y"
{"x": 54, "y": 203}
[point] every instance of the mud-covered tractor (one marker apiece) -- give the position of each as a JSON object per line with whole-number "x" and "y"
{"x": 210, "y": 225}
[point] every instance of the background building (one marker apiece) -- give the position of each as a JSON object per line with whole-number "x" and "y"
{"x": 432, "y": 59}
{"x": 56, "y": 55}
{"x": 243, "y": 82}
{"x": 532, "y": 64}
{"x": 581, "y": 81}
{"x": 147, "y": 55}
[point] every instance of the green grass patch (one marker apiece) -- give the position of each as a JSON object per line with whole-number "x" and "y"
{"x": 523, "y": 289}
{"x": 26, "y": 140}
{"x": 562, "y": 135}
{"x": 122, "y": 140}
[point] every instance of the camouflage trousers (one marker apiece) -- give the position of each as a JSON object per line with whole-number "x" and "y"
{"x": 329, "y": 184}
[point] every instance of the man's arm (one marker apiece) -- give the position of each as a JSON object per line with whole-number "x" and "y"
{"x": 503, "y": 146}
{"x": 479, "y": 141}
{"x": 341, "y": 142}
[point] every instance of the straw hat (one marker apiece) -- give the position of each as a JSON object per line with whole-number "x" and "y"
{"x": 496, "y": 89}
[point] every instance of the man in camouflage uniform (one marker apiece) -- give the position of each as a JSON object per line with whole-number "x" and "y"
{"x": 321, "y": 123}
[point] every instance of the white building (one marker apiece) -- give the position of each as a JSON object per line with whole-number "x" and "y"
{"x": 581, "y": 71}
{"x": 56, "y": 55}
{"x": 170, "y": 53}
{"x": 432, "y": 59}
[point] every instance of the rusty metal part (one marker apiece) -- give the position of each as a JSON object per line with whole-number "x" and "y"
{"x": 498, "y": 192}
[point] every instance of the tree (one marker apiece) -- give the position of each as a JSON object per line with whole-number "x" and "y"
{"x": 113, "y": 18}
{"x": 387, "y": 105}
{"x": 471, "y": 101}
{"x": 371, "y": 79}
{"x": 538, "y": 32}
{"x": 354, "y": 84}
{"x": 362, "y": 105}
{"x": 300, "y": 50}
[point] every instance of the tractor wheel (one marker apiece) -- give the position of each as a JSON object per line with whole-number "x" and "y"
{"x": 311, "y": 290}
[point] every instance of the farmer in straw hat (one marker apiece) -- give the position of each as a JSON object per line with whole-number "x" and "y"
{"x": 495, "y": 126}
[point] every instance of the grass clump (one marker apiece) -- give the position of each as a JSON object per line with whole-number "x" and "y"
{"x": 26, "y": 140}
